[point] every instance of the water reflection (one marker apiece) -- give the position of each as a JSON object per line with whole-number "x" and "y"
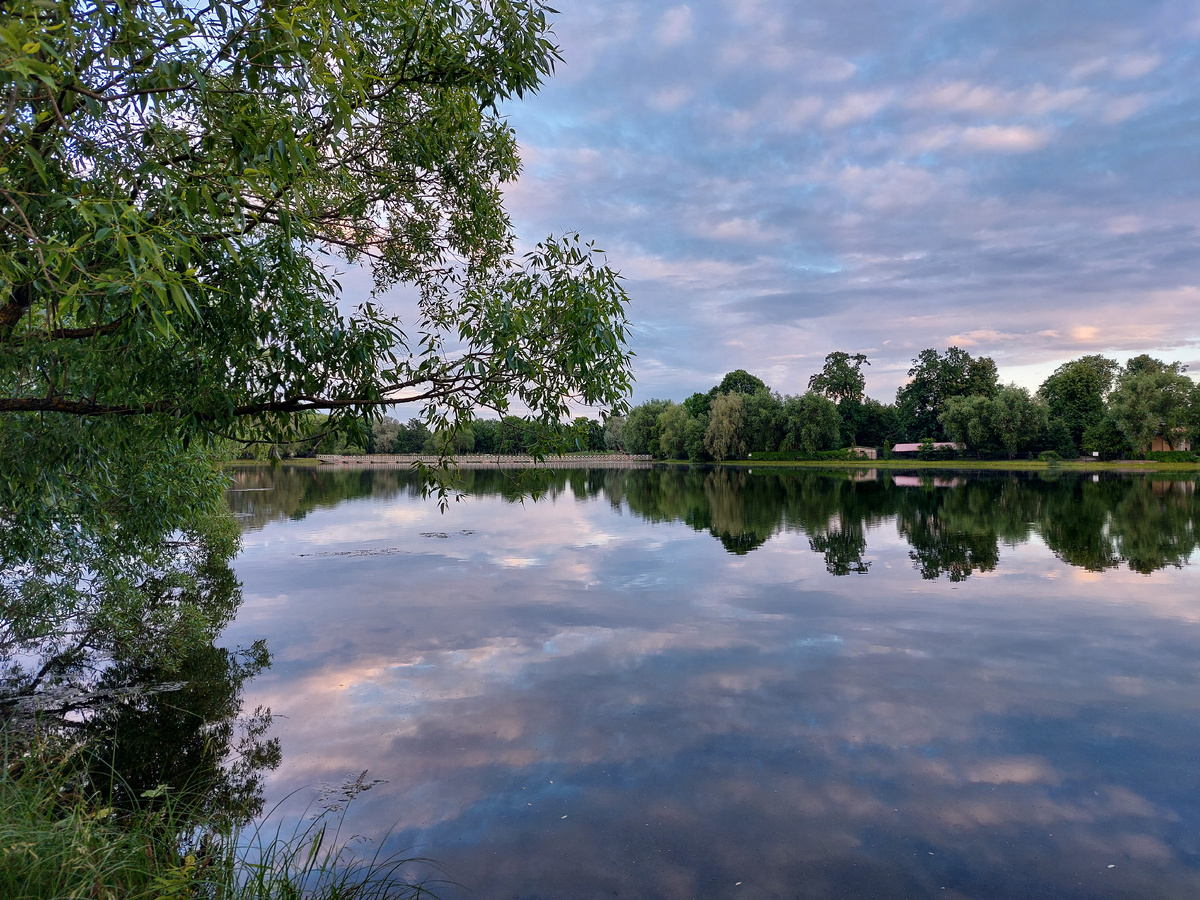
{"x": 122, "y": 666}
{"x": 590, "y": 697}
{"x": 954, "y": 525}
{"x": 191, "y": 745}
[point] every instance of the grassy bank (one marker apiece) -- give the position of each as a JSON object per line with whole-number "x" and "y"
{"x": 971, "y": 465}
{"x": 59, "y": 838}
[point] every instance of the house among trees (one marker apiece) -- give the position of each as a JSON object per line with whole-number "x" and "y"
{"x": 903, "y": 450}
{"x": 1160, "y": 443}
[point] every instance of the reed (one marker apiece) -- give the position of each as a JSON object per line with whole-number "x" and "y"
{"x": 60, "y": 841}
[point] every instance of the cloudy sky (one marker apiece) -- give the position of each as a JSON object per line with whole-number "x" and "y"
{"x": 777, "y": 180}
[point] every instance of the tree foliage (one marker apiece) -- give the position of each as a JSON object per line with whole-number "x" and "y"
{"x": 172, "y": 174}
{"x": 739, "y": 381}
{"x": 841, "y": 378}
{"x": 1151, "y": 400}
{"x": 811, "y": 423}
{"x": 1004, "y": 423}
{"x": 672, "y": 428}
{"x": 968, "y": 421}
{"x": 970, "y": 407}
{"x": 1076, "y": 392}
{"x": 726, "y": 417}
{"x": 1018, "y": 420}
{"x": 935, "y": 378}
{"x": 641, "y": 430}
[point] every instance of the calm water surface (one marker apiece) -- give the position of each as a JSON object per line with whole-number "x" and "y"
{"x": 704, "y": 683}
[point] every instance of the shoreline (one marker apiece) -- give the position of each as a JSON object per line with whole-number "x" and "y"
{"x": 489, "y": 461}
{"x": 1126, "y": 467}
{"x": 622, "y": 461}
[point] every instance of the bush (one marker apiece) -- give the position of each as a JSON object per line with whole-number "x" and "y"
{"x": 1049, "y": 456}
{"x": 61, "y": 838}
{"x": 1175, "y": 456}
{"x": 800, "y": 455}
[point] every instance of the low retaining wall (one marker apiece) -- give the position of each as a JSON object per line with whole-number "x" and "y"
{"x": 477, "y": 461}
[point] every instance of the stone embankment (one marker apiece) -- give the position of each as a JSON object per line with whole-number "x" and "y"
{"x": 477, "y": 461}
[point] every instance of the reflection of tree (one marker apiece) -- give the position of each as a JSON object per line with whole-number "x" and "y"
{"x": 955, "y": 531}
{"x": 955, "y": 526}
{"x": 260, "y": 495}
{"x": 188, "y": 744}
{"x": 263, "y": 494}
{"x": 142, "y": 604}
{"x": 1075, "y": 524}
{"x": 1155, "y": 528}
{"x": 843, "y": 550}
{"x": 940, "y": 549}
{"x": 107, "y": 624}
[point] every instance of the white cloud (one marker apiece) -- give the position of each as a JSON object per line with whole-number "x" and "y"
{"x": 890, "y": 186}
{"x": 1136, "y": 66}
{"x": 1123, "y": 108}
{"x": 1001, "y": 139}
{"x": 669, "y": 99}
{"x": 1126, "y": 67}
{"x": 856, "y": 108}
{"x": 675, "y": 27}
{"x": 1126, "y": 224}
{"x": 801, "y": 111}
{"x": 985, "y": 138}
{"x": 740, "y": 229}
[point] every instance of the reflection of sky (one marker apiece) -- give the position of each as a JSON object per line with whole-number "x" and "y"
{"x": 572, "y": 702}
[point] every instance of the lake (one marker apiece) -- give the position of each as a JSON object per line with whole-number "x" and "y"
{"x": 705, "y": 682}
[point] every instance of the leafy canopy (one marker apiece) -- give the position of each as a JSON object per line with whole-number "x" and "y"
{"x": 174, "y": 177}
{"x": 935, "y": 378}
{"x": 1077, "y": 390}
{"x": 841, "y": 378}
{"x": 1151, "y": 400}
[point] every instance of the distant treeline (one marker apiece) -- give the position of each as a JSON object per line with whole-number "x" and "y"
{"x": 510, "y": 435}
{"x": 1089, "y": 405}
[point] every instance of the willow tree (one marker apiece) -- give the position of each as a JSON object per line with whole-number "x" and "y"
{"x": 176, "y": 180}
{"x": 171, "y": 175}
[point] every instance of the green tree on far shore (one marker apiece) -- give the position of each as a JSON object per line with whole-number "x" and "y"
{"x": 934, "y": 379}
{"x": 1151, "y": 400}
{"x": 726, "y": 418}
{"x": 1076, "y": 392}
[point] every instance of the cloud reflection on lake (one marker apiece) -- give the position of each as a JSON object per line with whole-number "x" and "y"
{"x": 644, "y": 711}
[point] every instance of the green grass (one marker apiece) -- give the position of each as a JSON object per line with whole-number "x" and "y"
{"x": 1015, "y": 465}
{"x": 58, "y": 841}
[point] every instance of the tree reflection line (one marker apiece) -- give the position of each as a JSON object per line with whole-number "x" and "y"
{"x": 954, "y": 527}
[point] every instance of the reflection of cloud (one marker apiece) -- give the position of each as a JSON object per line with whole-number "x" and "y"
{"x": 749, "y": 714}
{"x": 1024, "y": 770}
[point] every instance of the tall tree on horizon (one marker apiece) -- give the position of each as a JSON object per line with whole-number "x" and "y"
{"x": 936, "y": 378}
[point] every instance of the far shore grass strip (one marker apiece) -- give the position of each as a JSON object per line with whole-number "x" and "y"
{"x": 1127, "y": 466}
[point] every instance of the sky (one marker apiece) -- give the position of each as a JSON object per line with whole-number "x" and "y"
{"x": 779, "y": 180}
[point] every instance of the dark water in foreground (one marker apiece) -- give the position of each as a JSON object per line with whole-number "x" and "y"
{"x": 698, "y": 683}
